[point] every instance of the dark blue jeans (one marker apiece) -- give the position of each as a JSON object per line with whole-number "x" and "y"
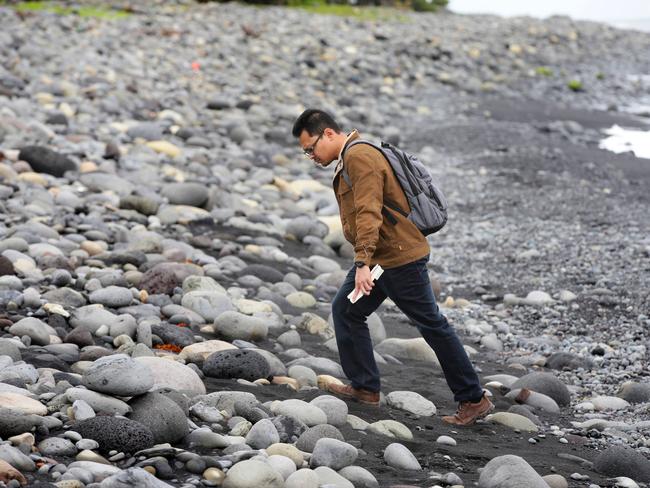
{"x": 409, "y": 287}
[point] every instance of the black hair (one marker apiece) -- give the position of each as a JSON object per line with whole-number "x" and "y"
{"x": 314, "y": 121}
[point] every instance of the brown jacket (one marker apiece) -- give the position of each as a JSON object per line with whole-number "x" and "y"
{"x": 379, "y": 237}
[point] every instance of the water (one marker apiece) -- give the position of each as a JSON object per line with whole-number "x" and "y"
{"x": 626, "y": 14}
{"x": 622, "y": 140}
{"x": 636, "y": 140}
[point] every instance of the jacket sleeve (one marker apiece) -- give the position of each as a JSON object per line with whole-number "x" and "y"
{"x": 367, "y": 177}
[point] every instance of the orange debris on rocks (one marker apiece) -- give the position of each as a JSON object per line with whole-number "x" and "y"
{"x": 168, "y": 347}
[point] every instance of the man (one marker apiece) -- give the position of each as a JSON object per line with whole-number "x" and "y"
{"x": 385, "y": 237}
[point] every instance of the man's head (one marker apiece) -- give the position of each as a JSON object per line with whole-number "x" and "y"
{"x": 319, "y": 135}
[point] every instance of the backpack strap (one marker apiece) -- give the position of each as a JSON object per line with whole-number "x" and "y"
{"x": 344, "y": 171}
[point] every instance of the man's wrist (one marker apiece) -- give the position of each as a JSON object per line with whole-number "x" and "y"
{"x": 359, "y": 264}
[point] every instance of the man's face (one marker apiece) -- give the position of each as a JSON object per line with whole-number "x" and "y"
{"x": 319, "y": 147}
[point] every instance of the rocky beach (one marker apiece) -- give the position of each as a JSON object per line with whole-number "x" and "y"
{"x": 168, "y": 257}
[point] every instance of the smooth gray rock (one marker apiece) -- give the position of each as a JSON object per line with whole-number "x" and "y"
{"x": 400, "y": 457}
{"x": 359, "y": 477}
{"x": 36, "y": 329}
{"x": 118, "y": 375}
{"x": 328, "y": 477}
{"x": 57, "y": 446}
{"x": 204, "y": 437}
{"x": 303, "y": 478}
{"x": 252, "y": 474}
{"x": 510, "y": 471}
{"x": 82, "y": 411}
{"x": 151, "y": 131}
{"x": 546, "y": 383}
{"x": 98, "y": 401}
{"x": 99, "y": 181}
{"x": 161, "y": 415}
{"x": 303, "y": 411}
{"x": 92, "y": 317}
{"x": 623, "y": 461}
{"x": 96, "y": 470}
{"x": 304, "y": 226}
{"x": 282, "y": 464}
{"x": 133, "y": 477}
{"x": 80, "y": 337}
{"x": 208, "y": 304}
{"x": 263, "y": 272}
{"x": 174, "y": 375}
{"x": 234, "y": 325}
{"x": 308, "y": 439}
{"x": 567, "y": 361}
{"x": 13, "y": 423}
{"x": 66, "y": 297}
{"x": 525, "y": 412}
{"x": 226, "y": 400}
{"x": 320, "y": 366}
{"x": 16, "y": 458}
{"x": 335, "y": 409}
{"x": 112, "y": 296}
{"x": 411, "y": 402}
{"x": 534, "y": 399}
{"x": 333, "y": 453}
{"x": 193, "y": 194}
{"x": 262, "y": 435}
{"x": 635, "y": 392}
{"x": 24, "y": 372}
{"x": 143, "y": 205}
{"x": 11, "y": 348}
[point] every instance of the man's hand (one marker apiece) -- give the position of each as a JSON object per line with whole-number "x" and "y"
{"x": 363, "y": 281}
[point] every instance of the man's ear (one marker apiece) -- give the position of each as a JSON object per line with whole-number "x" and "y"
{"x": 329, "y": 132}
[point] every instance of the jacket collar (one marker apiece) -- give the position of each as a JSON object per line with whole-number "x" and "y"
{"x": 351, "y": 137}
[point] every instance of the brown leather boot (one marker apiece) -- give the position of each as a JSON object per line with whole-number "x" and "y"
{"x": 469, "y": 412}
{"x": 362, "y": 396}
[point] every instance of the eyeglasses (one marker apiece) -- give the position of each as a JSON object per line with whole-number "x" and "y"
{"x": 309, "y": 151}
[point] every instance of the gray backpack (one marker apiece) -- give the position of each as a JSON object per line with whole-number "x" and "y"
{"x": 428, "y": 205}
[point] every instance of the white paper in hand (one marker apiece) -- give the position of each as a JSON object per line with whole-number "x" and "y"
{"x": 375, "y": 273}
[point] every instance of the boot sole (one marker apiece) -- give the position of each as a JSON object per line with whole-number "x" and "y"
{"x": 478, "y": 417}
{"x": 371, "y": 404}
{"x": 352, "y": 397}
